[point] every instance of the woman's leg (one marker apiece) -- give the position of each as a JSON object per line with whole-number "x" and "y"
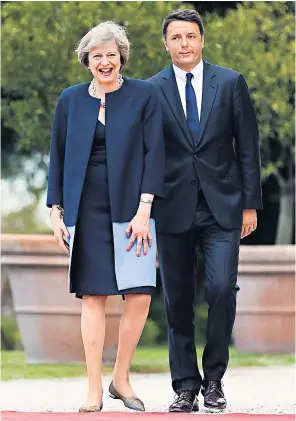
{"x": 135, "y": 312}
{"x": 93, "y": 336}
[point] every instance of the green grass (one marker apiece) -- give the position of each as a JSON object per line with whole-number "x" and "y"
{"x": 14, "y": 366}
{"x": 147, "y": 360}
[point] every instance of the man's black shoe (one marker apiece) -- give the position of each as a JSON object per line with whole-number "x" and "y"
{"x": 185, "y": 401}
{"x": 214, "y": 399}
{"x": 195, "y": 407}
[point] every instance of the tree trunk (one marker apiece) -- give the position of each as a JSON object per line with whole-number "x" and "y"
{"x": 285, "y": 224}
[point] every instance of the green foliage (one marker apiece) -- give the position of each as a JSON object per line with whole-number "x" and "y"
{"x": 10, "y": 334}
{"x": 150, "y": 333}
{"x": 258, "y": 40}
{"x": 24, "y": 221}
{"x": 39, "y": 39}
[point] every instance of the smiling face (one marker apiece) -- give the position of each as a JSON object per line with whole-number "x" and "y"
{"x": 184, "y": 43}
{"x": 104, "y": 63}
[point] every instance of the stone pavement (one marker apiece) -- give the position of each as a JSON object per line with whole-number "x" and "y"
{"x": 253, "y": 389}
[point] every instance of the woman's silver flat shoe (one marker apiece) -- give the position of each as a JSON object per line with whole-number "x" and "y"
{"x": 130, "y": 402}
{"x": 91, "y": 408}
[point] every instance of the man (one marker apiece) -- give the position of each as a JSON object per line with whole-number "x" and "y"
{"x": 212, "y": 191}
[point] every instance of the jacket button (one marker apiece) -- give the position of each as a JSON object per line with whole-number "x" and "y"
{"x": 193, "y": 182}
{"x": 195, "y": 156}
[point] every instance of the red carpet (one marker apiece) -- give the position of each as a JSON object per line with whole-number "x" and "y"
{"x": 129, "y": 416}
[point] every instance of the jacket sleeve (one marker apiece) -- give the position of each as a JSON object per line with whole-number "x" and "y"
{"x": 154, "y": 164}
{"x": 57, "y": 154}
{"x": 246, "y": 136}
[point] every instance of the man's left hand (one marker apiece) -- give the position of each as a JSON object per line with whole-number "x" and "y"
{"x": 249, "y": 222}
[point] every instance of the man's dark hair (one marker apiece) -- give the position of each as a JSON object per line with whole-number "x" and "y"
{"x": 186, "y": 15}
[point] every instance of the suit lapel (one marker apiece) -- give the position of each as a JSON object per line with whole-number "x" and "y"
{"x": 171, "y": 93}
{"x": 209, "y": 91}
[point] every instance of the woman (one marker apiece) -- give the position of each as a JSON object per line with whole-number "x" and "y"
{"x": 106, "y": 166}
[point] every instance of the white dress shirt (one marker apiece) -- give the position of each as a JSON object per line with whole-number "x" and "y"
{"x": 196, "y": 83}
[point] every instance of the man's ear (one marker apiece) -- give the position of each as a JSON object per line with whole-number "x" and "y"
{"x": 203, "y": 41}
{"x": 165, "y": 45}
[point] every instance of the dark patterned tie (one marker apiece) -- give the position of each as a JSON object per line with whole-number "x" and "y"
{"x": 191, "y": 109}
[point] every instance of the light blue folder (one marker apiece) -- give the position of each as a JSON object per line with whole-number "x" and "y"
{"x": 133, "y": 271}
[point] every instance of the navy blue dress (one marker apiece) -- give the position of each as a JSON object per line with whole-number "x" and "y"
{"x": 93, "y": 269}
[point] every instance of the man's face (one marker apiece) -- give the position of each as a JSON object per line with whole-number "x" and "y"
{"x": 184, "y": 43}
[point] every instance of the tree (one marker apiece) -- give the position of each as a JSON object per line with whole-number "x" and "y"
{"x": 39, "y": 39}
{"x": 258, "y": 40}
{"x": 219, "y": 7}
{"x": 44, "y": 28}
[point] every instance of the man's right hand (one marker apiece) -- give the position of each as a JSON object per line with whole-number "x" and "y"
{"x": 59, "y": 230}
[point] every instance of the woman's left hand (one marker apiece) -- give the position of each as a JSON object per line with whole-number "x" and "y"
{"x": 138, "y": 228}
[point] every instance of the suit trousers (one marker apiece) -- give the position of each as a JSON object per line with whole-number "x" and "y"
{"x": 177, "y": 260}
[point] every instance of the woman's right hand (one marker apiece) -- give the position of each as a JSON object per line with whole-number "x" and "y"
{"x": 59, "y": 230}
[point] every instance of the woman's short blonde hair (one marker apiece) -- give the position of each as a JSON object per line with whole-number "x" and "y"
{"x": 101, "y": 34}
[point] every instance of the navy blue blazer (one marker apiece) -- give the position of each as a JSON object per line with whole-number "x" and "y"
{"x": 134, "y": 143}
{"x": 226, "y": 161}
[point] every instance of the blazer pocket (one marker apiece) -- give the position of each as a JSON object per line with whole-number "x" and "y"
{"x": 230, "y": 176}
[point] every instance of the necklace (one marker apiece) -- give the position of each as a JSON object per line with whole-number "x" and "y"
{"x": 93, "y": 89}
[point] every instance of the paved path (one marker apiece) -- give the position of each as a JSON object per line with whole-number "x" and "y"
{"x": 253, "y": 390}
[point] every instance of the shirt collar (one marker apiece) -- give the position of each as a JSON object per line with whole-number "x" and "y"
{"x": 197, "y": 72}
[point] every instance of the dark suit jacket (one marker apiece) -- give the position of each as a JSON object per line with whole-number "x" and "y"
{"x": 134, "y": 142}
{"x": 226, "y": 159}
